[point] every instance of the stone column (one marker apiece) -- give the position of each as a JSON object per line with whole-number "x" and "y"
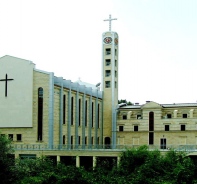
{"x": 77, "y": 161}
{"x": 58, "y": 159}
{"x": 94, "y": 161}
{"x": 118, "y": 161}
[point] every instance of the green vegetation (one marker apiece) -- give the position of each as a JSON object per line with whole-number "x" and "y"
{"x": 125, "y": 101}
{"x": 137, "y": 166}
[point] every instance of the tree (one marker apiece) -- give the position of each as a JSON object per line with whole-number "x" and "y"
{"x": 6, "y": 159}
{"x": 125, "y": 101}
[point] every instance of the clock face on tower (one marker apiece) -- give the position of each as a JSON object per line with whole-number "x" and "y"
{"x": 107, "y": 40}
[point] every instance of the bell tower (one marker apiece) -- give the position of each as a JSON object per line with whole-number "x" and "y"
{"x": 109, "y": 84}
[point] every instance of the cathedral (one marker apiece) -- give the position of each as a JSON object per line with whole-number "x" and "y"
{"x": 48, "y": 115}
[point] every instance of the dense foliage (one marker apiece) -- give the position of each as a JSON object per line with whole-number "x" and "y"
{"x": 137, "y": 166}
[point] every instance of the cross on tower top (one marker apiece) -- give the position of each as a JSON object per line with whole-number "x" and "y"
{"x": 110, "y": 19}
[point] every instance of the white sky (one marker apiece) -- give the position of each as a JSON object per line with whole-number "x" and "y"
{"x": 157, "y": 42}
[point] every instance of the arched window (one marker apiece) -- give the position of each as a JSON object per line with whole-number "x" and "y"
{"x": 40, "y": 114}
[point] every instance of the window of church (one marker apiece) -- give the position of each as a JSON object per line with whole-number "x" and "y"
{"x": 18, "y": 137}
{"x": 85, "y": 140}
{"x": 107, "y": 73}
{"x": 10, "y": 136}
{"x": 115, "y": 73}
{"x": 182, "y": 127}
{"x": 115, "y": 52}
{"x": 151, "y": 138}
{"x": 64, "y": 109}
{"x": 124, "y": 116}
{"x": 184, "y": 115}
{"x": 79, "y": 140}
{"x": 98, "y": 115}
{"x": 86, "y": 113}
{"x": 79, "y": 112}
{"x": 115, "y": 62}
{"x": 92, "y": 114}
{"x": 72, "y": 111}
{"x": 40, "y": 114}
{"x": 107, "y": 62}
{"x": 169, "y": 116}
{"x": 107, "y": 84}
{"x": 139, "y": 116}
{"x": 167, "y": 127}
{"x": 151, "y": 121}
{"x": 64, "y": 139}
{"x": 108, "y": 51}
{"x": 121, "y": 128}
{"x": 115, "y": 84}
{"x": 136, "y": 128}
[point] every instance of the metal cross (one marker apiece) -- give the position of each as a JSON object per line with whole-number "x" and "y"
{"x": 6, "y": 81}
{"x": 110, "y": 19}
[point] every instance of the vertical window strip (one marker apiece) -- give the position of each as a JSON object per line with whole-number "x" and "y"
{"x": 40, "y": 114}
{"x": 72, "y": 110}
{"x": 64, "y": 109}
{"x": 79, "y": 112}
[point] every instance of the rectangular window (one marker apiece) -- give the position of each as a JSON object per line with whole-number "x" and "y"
{"x": 107, "y": 62}
{"x": 85, "y": 140}
{"x": 107, "y": 84}
{"x": 10, "y": 136}
{"x": 115, "y": 52}
{"x": 135, "y": 128}
{"x": 115, "y": 62}
{"x": 139, "y": 116}
{"x": 124, "y": 117}
{"x": 182, "y": 127}
{"x": 107, "y": 73}
{"x": 169, "y": 116}
{"x": 79, "y": 140}
{"x": 184, "y": 115}
{"x": 167, "y": 127}
{"x": 115, "y": 73}
{"x": 163, "y": 143}
{"x": 151, "y": 138}
{"x": 18, "y": 137}
{"x": 98, "y": 116}
{"x": 64, "y": 139}
{"x": 108, "y": 51}
{"x": 115, "y": 84}
{"x": 121, "y": 128}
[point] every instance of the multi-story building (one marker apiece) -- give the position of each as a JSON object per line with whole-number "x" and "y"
{"x": 48, "y": 115}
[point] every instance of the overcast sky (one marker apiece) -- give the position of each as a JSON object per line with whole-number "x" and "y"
{"x": 157, "y": 43}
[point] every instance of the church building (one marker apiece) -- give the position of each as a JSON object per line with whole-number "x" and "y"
{"x": 48, "y": 115}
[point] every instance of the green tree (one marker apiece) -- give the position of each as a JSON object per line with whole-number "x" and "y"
{"x": 6, "y": 159}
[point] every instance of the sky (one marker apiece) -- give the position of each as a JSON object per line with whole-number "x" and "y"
{"x": 157, "y": 43}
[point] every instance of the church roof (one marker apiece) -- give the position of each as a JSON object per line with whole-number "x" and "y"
{"x": 162, "y": 105}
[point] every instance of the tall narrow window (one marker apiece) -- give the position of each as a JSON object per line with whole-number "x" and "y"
{"x": 151, "y": 121}
{"x": 115, "y": 52}
{"x": 115, "y": 62}
{"x": 107, "y": 73}
{"x": 72, "y": 110}
{"x": 64, "y": 139}
{"x": 85, "y": 140}
{"x": 86, "y": 113}
{"x": 71, "y": 141}
{"x": 18, "y": 137}
{"x": 98, "y": 115}
{"x": 151, "y": 138}
{"x": 64, "y": 109}
{"x": 79, "y": 112}
{"x": 40, "y": 114}
{"x": 92, "y": 114}
{"x": 79, "y": 140}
